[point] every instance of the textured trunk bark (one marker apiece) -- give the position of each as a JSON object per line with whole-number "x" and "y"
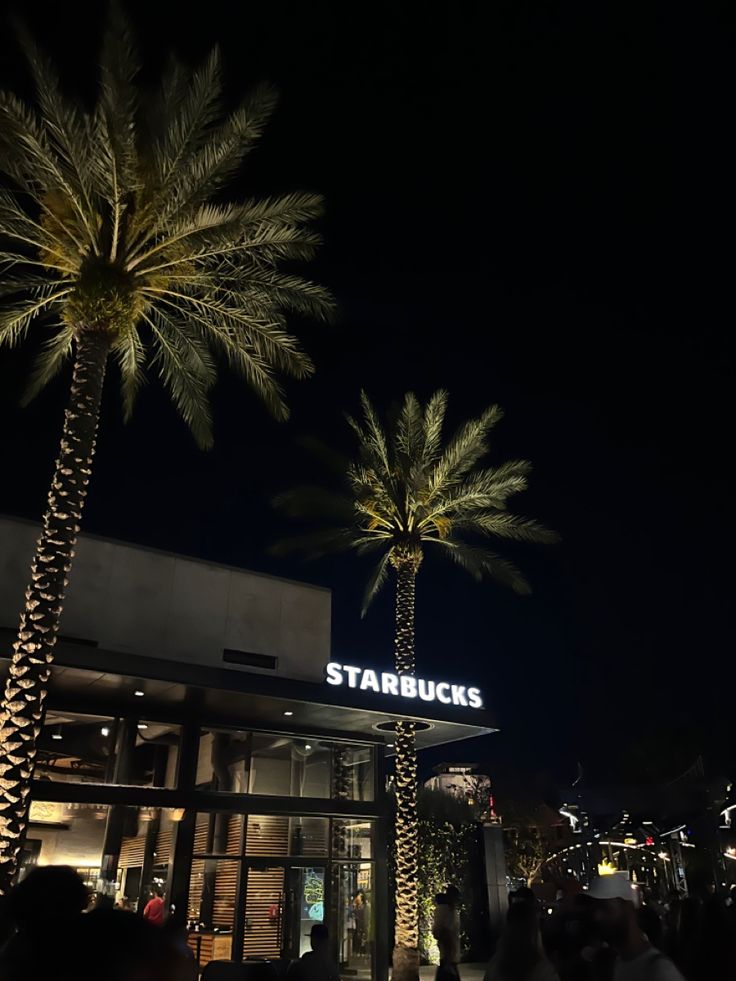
{"x": 406, "y": 953}
{"x": 21, "y": 713}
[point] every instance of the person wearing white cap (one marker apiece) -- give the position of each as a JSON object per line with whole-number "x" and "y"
{"x": 614, "y": 913}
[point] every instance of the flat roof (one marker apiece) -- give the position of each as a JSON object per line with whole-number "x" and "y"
{"x": 176, "y": 555}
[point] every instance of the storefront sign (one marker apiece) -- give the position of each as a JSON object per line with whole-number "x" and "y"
{"x": 404, "y": 686}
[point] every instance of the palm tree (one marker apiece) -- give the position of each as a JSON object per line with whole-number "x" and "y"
{"x": 109, "y": 232}
{"x": 407, "y": 492}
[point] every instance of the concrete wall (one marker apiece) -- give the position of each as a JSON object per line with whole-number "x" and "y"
{"x": 141, "y": 601}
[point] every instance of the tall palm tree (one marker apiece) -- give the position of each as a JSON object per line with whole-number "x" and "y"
{"x": 113, "y": 231}
{"x": 409, "y": 491}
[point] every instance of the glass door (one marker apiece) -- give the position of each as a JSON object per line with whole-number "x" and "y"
{"x": 305, "y": 906}
{"x": 281, "y": 905}
{"x": 265, "y": 903}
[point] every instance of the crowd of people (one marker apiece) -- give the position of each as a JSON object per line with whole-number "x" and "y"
{"x": 607, "y": 933}
{"x": 52, "y": 929}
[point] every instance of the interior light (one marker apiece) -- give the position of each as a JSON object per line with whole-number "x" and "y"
{"x": 56, "y": 735}
{"x": 142, "y": 725}
{"x": 105, "y": 730}
{"x": 139, "y": 693}
{"x": 288, "y": 713}
{"x": 389, "y": 745}
{"x": 307, "y": 746}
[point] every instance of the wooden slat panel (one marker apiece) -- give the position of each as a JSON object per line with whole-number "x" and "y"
{"x": 264, "y": 897}
{"x": 196, "y": 883}
{"x": 226, "y": 885}
{"x": 163, "y": 846}
{"x": 267, "y": 835}
{"x": 131, "y": 852}
{"x": 200, "y": 833}
{"x": 234, "y": 827}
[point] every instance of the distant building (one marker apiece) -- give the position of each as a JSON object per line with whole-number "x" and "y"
{"x": 462, "y": 781}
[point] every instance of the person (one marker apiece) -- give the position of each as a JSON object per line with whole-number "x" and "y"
{"x": 155, "y": 909}
{"x": 359, "y": 911}
{"x": 446, "y": 931}
{"x": 120, "y": 946}
{"x": 520, "y": 955}
{"x": 45, "y": 909}
{"x": 316, "y": 964}
{"x": 614, "y": 913}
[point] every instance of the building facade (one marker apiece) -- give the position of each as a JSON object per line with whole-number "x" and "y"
{"x": 192, "y": 742}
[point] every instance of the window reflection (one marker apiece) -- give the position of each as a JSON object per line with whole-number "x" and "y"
{"x": 75, "y": 748}
{"x": 278, "y": 765}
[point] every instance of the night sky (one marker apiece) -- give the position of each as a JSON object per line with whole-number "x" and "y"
{"x": 530, "y": 204}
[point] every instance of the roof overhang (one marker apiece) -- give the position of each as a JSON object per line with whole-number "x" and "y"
{"x": 94, "y": 680}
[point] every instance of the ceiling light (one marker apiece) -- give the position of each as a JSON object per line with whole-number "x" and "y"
{"x": 389, "y": 745}
{"x": 142, "y": 725}
{"x": 288, "y": 713}
{"x": 105, "y": 730}
{"x": 139, "y": 693}
{"x": 307, "y": 746}
{"x": 56, "y": 735}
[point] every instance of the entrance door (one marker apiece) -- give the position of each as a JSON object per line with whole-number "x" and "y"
{"x": 305, "y": 906}
{"x": 281, "y": 905}
{"x": 264, "y": 912}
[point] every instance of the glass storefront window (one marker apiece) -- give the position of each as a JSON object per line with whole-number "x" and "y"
{"x": 352, "y": 838}
{"x": 74, "y": 748}
{"x": 88, "y": 837}
{"x": 355, "y": 917}
{"x": 272, "y": 835}
{"x": 213, "y": 890}
{"x": 277, "y": 765}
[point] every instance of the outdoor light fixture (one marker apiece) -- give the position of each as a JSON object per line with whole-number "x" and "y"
{"x": 139, "y": 693}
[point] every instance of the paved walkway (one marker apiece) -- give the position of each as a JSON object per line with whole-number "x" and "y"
{"x": 468, "y": 972}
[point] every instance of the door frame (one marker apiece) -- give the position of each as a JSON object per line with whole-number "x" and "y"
{"x": 261, "y": 864}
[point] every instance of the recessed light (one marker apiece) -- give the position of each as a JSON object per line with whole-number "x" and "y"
{"x": 142, "y": 725}
{"x": 139, "y": 693}
{"x": 288, "y": 713}
{"x": 105, "y": 730}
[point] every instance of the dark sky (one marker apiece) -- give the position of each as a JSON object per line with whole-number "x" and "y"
{"x": 526, "y": 203}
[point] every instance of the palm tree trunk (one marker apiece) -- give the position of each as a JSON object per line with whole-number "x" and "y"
{"x": 21, "y": 712}
{"x": 406, "y": 953}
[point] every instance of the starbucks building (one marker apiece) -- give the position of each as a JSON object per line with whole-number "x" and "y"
{"x": 201, "y": 736}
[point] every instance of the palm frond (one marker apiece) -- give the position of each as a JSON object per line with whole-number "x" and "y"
{"x": 463, "y": 451}
{"x": 184, "y": 373}
{"x": 49, "y": 362}
{"x": 314, "y": 545}
{"x": 376, "y": 581}
{"x": 501, "y": 524}
{"x": 434, "y": 417}
{"x": 15, "y": 320}
{"x": 130, "y": 354}
{"x": 315, "y": 503}
{"x": 480, "y": 562}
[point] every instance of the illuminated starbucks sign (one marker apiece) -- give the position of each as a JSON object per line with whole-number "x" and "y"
{"x": 402, "y": 686}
